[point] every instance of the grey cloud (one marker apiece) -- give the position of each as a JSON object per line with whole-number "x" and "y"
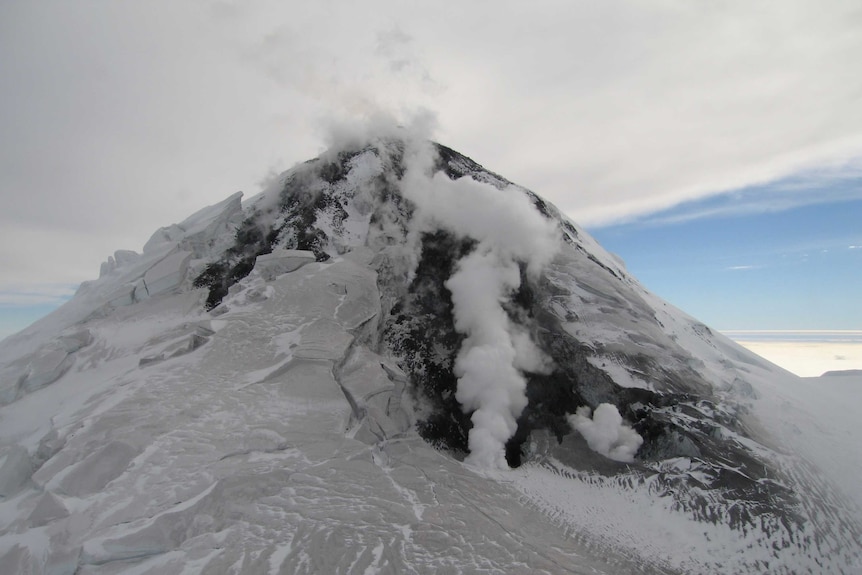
{"x": 119, "y": 118}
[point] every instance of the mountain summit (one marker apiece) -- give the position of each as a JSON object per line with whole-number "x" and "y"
{"x": 393, "y": 360}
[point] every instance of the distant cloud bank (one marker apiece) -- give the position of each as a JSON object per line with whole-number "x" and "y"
{"x": 808, "y": 353}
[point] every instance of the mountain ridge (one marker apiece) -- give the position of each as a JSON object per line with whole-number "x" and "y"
{"x": 440, "y": 273}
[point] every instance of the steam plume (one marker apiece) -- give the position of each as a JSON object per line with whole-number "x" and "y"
{"x": 606, "y": 433}
{"x": 495, "y": 353}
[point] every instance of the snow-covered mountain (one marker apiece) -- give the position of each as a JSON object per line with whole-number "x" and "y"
{"x": 393, "y": 360}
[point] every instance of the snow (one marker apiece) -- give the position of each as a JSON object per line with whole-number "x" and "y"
{"x": 634, "y": 518}
{"x": 167, "y": 274}
{"x": 639, "y": 518}
{"x": 818, "y": 417}
{"x": 281, "y": 262}
{"x": 15, "y": 469}
{"x": 46, "y": 367}
{"x": 205, "y": 232}
{"x": 187, "y": 464}
{"x": 75, "y": 340}
{"x": 48, "y": 509}
{"x": 279, "y": 438}
{"x": 119, "y": 259}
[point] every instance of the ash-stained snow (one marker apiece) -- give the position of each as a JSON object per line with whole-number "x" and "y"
{"x": 294, "y": 428}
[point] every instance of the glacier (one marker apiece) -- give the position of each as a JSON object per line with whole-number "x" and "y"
{"x": 290, "y": 384}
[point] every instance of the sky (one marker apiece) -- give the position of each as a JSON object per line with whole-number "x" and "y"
{"x": 750, "y": 264}
{"x": 715, "y": 146}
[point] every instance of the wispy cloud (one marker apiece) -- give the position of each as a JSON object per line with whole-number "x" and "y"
{"x": 777, "y": 197}
{"x": 683, "y": 109}
{"x": 36, "y": 295}
{"x": 742, "y": 268}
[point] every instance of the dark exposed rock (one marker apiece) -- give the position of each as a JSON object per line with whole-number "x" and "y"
{"x": 237, "y": 262}
{"x": 422, "y": 332}
{"x": 679, "y": 418}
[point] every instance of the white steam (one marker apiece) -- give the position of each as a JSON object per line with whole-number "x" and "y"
{"x": 606, "y": 433}
{"x": 496, "y": 352}
{"x": 489, "y": 381}
{"x": 416, "y": 125}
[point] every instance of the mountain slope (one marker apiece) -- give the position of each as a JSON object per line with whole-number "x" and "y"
{"x": 337, "y": 375}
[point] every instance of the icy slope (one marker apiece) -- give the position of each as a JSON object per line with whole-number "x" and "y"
{"x": 279, "y": 446}
{"x": 337, "y": 375}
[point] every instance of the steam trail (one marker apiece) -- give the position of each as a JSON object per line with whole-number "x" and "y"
{"x": 488, "y": 381}
{"x": 495, "y": 353}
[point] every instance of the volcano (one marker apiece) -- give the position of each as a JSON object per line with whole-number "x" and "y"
{"x": 393, "y": 360}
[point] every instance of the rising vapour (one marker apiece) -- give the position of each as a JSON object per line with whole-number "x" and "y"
{"x": 495, "y": 353}
{"x": 606, "y": 433}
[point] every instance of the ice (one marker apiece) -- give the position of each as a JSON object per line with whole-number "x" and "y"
{"x": 122, "y": 296}
{"x": 140, "y": 291}
{"x": 17, "y": 560}
{"x": 118, "y": 260}
{"x": 818, "y": 417}
{"x": 204, "y": 232}
{"x": 181, "y": 346}
{"x": 48, "y": 509}
{"x": 168, "y": 274}
{"x": 188, "y": 460}
{"x": 95, "y": 471}
{"x": 46, "y": 367}
{"x": 282, "y": 261}
{"x": 280, "y": 437}
{"x": 75, "y": 340}
{"x": 15, "y": 469}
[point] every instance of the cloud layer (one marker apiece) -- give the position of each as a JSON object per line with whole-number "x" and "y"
{"x": 120, "y": 118}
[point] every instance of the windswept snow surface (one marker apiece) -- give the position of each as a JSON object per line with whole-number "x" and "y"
{"x": 278, "y": 432}
{"x": 820, "y": 419}
{"x": 252, "y": 454}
